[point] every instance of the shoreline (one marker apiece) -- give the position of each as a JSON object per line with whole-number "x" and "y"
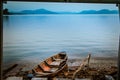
{"x": 102, "y": 62}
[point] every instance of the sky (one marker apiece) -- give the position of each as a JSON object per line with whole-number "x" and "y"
{"x": 54, "y": 6}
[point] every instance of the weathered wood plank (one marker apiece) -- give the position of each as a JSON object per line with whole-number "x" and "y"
{"x": 39, "y": 79}
{"x": 59, "y": 79}
{"x": 12, "y": 71}
{"x": 9, "y": 69}
{"x": 82, "y": 65}
{"x": 14, "y": 78}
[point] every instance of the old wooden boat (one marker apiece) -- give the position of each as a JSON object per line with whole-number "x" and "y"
{"x": 51, "y": 66}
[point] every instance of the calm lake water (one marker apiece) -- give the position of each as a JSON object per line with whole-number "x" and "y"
{"x": 36, "y": 37}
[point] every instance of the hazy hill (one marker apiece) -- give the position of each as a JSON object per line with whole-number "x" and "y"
{"x": 103, "y": 11}
{"x": 44, "y": 11}
{"x": 38, "y": 11}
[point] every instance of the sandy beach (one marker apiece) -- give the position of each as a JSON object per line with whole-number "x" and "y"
{"x": 105, "y": 65}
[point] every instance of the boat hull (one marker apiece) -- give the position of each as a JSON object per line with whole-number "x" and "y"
{"x": 51, "y": 66}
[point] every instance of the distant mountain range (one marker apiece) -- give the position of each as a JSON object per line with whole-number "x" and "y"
{"x": 38, "y": 11}
{"x": 44, "y": 11}
{"x": 103, "y": 11}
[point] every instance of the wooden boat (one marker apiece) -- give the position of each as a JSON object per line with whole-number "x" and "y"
{"x": 51, "y": 66}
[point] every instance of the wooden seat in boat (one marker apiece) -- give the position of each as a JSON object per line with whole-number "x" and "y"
{"x": 47, "y": 68}
{"x": 55, "y": 61}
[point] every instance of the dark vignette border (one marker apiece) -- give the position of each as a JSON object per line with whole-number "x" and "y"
{"x": 1, "y": 30}
{"x": 1, "y": 37}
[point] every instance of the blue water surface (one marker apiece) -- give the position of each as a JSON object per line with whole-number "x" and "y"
{"x": 30, "y": 37}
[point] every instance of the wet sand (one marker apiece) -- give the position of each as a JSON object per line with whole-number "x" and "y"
{"x": 99, "y": 62}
